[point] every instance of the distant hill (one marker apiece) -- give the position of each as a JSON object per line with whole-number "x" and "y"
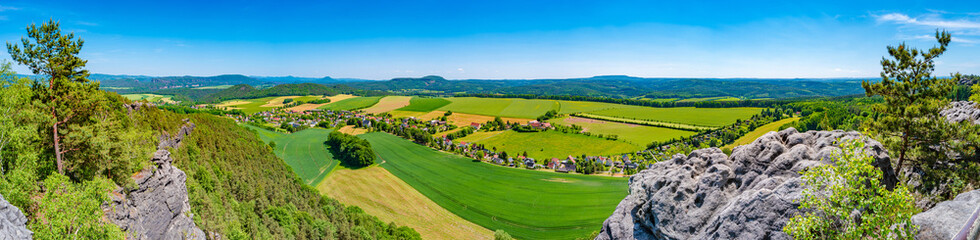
{"x": 618, "y": 86}
{"x": 245, "y": 91}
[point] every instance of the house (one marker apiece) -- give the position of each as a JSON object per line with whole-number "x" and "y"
{"x": 476, "y": 125}
{"x": 529, "y": 163}
{"x": 538, "y": 125}
{"x": 566, "y": 167}
{"x": 553, "y": 164}
{"x": 437, "y": 123}
{"x": 498, "y": 160}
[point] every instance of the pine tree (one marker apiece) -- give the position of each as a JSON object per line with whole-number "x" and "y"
{"x": 909, "y": 120}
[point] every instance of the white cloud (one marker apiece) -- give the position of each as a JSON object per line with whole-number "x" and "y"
{"x": 934, "y": 20}
{"x": 6, "y": 8}
{"x": 952, "y": 39}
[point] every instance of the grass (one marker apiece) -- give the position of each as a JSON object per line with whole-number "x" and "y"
{"x": 303, "y": 151}
{"x": 150, "y": 97}
{"x": 679, "y": 126}
{"x": 389, "y": 103}
{"x": 420, "y": 104}
{"x": 633, "y": 133}
{"x": 549, "y": 144}
{"x": 527, "y": 204}
{"x": 381, "y": 194}
{"x": 711, "y": 117}
{"x": 758, "y": 132}
{"x": 463, "y": 119}
{"x": 503, "y": 107}
{"x": 352, "y": 103}
{"x": 249, "y": 106}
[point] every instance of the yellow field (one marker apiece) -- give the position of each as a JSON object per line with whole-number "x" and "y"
{"x": 758, "y": 132}
{"x": 389, "y": 103}
{"x": 351, "y": 130}
{"x": 277, "y": 102}
{"x": 464, "y": 119}
{"x": 310, "y": 106}
{"x": 400, "y": 114}
{"x": 381, "y": 194}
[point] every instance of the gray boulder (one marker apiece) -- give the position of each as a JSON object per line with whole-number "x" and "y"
{"x": 962, "y": 111}
{"x": 13, "y": 223}
{"x": 748, "y": 195}
{"x": 159, "y": 208}
{"x": 946, "y": 219}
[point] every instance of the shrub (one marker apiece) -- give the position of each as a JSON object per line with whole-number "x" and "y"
{"x": 71, "y": 211}
{"x": 501, "y": 235}
{"x": 848, "y": 201}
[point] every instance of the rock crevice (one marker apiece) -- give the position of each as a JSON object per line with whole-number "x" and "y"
{"x": 159, "y": 207}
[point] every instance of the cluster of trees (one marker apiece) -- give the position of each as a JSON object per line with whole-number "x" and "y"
{"x": 548, "y": 115}
{"x": 351, "y": 150}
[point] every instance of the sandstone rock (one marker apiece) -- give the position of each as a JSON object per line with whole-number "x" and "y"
{"x": 748, "y": 195}
{"x": 159, "y": 208}
{"x": 962, "y": 111}
{"x": 946, "y": 219}
{"x": 13, "y": 223}
{"x": 168, "y": 141}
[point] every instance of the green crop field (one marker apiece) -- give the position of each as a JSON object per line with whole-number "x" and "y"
{"x": 303, "y": 151}
{"x": 527, "y": 204}
{"x": 150, "y": 97}
{"x": 502, "y": 107}
{"x": 549, "y": 144}
{"x": 634, "y": 133}
{"x": 712, "y": 117}
{"x": 419, "y": 104}
{"x": 352, "y": 103}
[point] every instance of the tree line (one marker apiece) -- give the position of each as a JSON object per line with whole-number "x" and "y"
{"x": 351, "y": 150}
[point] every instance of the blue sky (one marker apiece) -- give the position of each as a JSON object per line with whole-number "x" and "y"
{"x": 502, "y": 39}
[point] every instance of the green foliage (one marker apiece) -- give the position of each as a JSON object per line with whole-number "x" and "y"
{"x": 352, "y": 151}
{"x": 848, "y": 201}
{"x": 548, "y": 115}
{"x": 909, "y": 122}
{"x": 976, "y": 93}
{"x": 72, "y": 211}
{"x": 501, "y": 235}
{"x": 239, "y": 189}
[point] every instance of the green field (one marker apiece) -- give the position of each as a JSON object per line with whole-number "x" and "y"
{"x": 759, "y": 131}
{"x": 419, "y": 104}
{"x": 150, "y": 97}
{"x": 637, "y": 134}
{"x": 712, "y": 117}
{"x": 502, "y": 107}
{"x": 352, "y": 103}
{"x": 527, "y": 204}
{"x": 303, "y": 151}
{"x": 549, "y": 144}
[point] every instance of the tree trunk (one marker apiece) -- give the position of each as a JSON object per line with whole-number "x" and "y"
{"x": 57, "y": 151}
{"x": 905, "y": 146}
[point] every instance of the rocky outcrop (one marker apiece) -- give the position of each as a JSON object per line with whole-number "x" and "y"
{"x": 158, "y": 208}
{"x": 962, "y": 111}
{"x": 13, "y": 223}
{"x": 946, "y": 219}
{"x": 748, "y": 195}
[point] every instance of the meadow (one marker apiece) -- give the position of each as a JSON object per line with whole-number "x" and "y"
{"x": 150, "y": 97}
{"x": 550, "y": 144}
{"x": 634, "y": 133}
{"x": 250, "y": 106}
{"x": 527, "y": 204}
{"x": 304, "y": 151}
{"x": 381, "y": 194}
{"x": 711, "y": 117}
{"x": 352, "y": 103}
{"x": 503, "y": 107}
{"x": 759, "y": 131}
